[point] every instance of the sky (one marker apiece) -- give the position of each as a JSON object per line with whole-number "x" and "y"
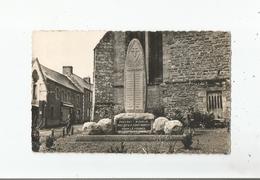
{"x": 55, "y": 49}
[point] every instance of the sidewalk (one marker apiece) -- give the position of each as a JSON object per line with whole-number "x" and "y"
{"x": 58, "y": 132}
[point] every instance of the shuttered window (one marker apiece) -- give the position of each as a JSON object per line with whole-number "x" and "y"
{"x": 214, "y": 100}
{"x": 215, "y": 104}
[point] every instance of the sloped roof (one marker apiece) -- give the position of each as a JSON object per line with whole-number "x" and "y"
{"x": 58, "y": 78}
{"x": 80, "y": 83}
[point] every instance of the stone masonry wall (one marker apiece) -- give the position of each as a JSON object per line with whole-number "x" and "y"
{"x": 196, "y": 55}
{"x": 154, "y": 101}
{"x": 192, "y": 61}
{"x": 184, "y": 95}
{"x": 118, "y": 76}
{"x": 103, "y": 75}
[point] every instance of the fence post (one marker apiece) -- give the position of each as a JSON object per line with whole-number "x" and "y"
{"x": 63, "y": 131}
{"x": 52, "y": 132}
{"x": 72, "y": 130}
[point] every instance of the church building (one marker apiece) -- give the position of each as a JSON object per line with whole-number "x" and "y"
{"x": 162, "y": 71}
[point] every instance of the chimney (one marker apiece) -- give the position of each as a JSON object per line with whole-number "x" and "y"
{"x": 87, "y": 79}
{"x": 67, "y": 70}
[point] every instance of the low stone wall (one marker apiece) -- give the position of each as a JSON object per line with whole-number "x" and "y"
{"x": 123, "y": 138}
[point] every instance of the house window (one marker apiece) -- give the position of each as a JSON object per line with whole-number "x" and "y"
{"x": 57, "y": 93}
{"x": 215, "y": 104}
{"x": 89, "y": 97}
{"x": 69, "y": 97}
{"x": 35, "y": 76}
{"x": 52, "y": 112}
{"x": 72, "y": 97}
{"x": 62, "y": 95}
{"x": 34, "y": 91}
{"x": 66, "y": 97}
{"x": 78, "y": 115}
{"x": 78, "y": 99}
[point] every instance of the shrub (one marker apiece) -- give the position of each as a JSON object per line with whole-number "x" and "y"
{"x": 187, "y": 141}
{"x": 157, "y": 111}
{"x": 171, "y": 148}
{"x": 197, "y": 118}
{"x": 116, "y": 149}
{"x": 49, "y": 141}
{"x": 35, "y": 140}
{"x": 202, "y": 119}
{"x": 118, "y": 109}
{"x": 179, "y": 115}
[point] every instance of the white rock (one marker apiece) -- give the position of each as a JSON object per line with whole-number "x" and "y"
{"x": 106, "y": 125}
{"x": 158, "y": 125}
{"x": 91, "y": 128}
{"x": 173, "y": 127}
{"x": 87, "y": 125}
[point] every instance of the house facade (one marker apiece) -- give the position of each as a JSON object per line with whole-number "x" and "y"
{"x": 182, "y": 70}
{"x": 56, "y": 95}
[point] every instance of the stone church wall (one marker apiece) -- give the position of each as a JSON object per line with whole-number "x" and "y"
{"x": 181, "y": 96}
{"x": 196, "y": 55}
{"x": 120, "y": 49}
{"x": 192, "y": 60}
{"x": 103, "y": 77}
{"x": 194, "y": 63}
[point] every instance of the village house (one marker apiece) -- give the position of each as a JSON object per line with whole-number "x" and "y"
{"x": 172, "y": 70}
{"x": 56, "y": 95}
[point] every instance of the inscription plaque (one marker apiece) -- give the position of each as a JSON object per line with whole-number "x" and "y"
{"x": 135, "y": 82}
{"x": 133, "y": 125}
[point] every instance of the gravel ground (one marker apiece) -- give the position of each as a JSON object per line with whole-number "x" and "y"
{"x": 208, "y": 141}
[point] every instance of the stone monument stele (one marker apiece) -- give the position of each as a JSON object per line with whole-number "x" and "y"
{"x": 134, "y": 78}
{"x": 134, "y": 120}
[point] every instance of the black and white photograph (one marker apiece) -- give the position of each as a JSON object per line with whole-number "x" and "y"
{"x": 144, "y": 91}
{"x": 129, "y": 89}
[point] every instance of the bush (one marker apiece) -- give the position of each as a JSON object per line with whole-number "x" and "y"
{"x": 116, "y": 149}
{"x": 179, "y": 115}
{"x": 49, "y": 141}
{"x": 187, "y": 141}
{"x": 118, "y": 109}
{"x": 35, "y": 140}
{"x": 197, "y": 119}
{"x": 157, "y": 111}
{"x": 202, "y": 119}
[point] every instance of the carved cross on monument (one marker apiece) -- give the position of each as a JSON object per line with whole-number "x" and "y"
{"x": 135, "y": 79}
{"x": 135, "y": 51}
